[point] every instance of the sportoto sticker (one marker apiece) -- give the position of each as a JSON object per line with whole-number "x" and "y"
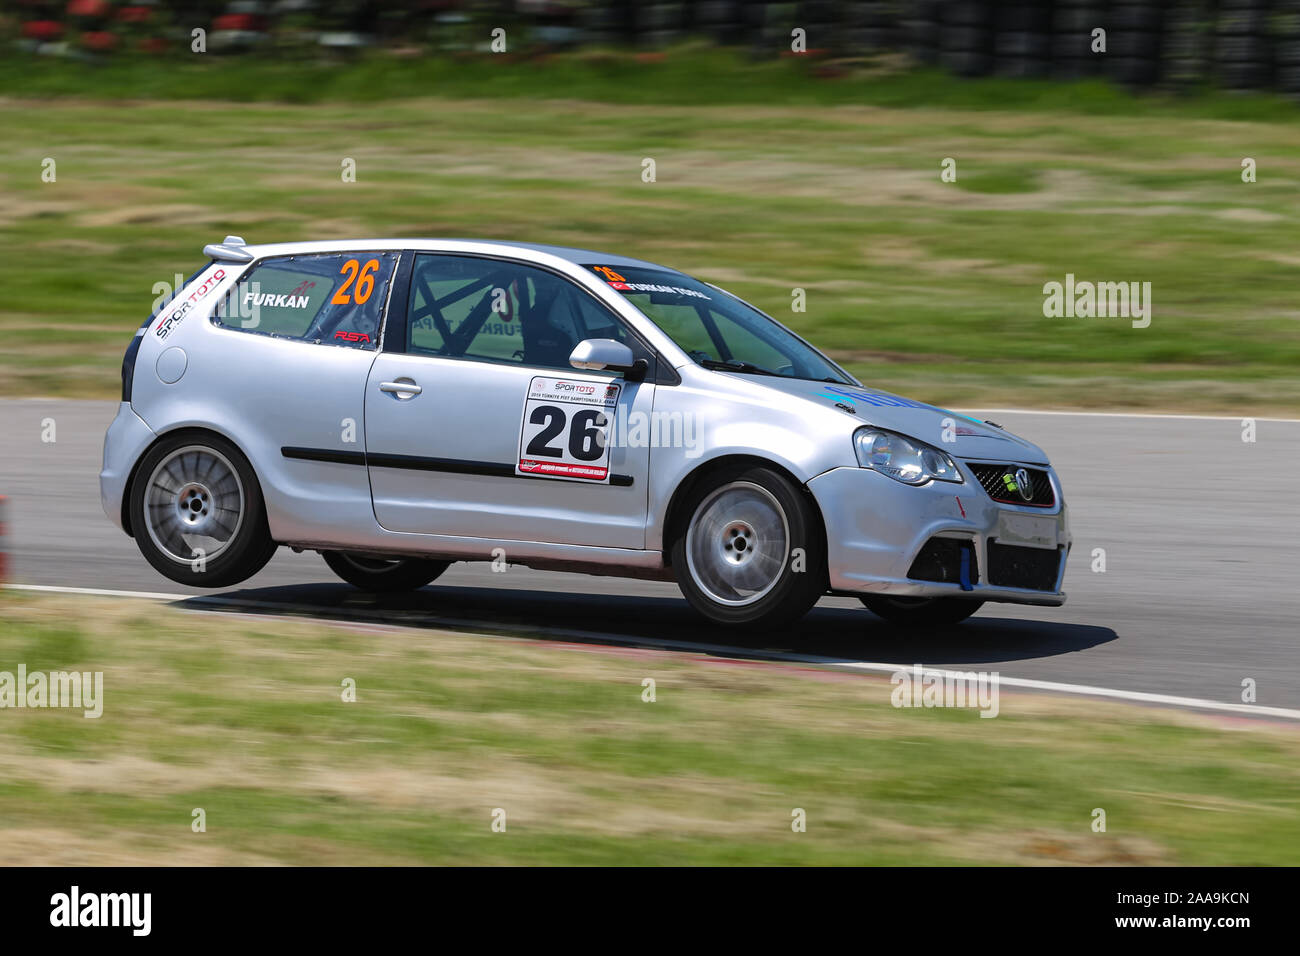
{"x": 565, "y": 430}
{"x": 169, "y": 322}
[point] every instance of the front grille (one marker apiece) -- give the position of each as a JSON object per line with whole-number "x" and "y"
{"x": 1011, "y": 566}
{"x": 992, "y": 480}
{"x": 940, "y": 560}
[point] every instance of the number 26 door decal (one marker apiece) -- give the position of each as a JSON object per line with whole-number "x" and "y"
{"x": 566, "y": 428}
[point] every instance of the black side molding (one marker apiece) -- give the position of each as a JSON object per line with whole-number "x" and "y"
{"x": 325, "y": 454}
{"x": 455, "y": 466}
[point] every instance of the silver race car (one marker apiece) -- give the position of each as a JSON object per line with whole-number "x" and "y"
{"x": 401, "y": 404}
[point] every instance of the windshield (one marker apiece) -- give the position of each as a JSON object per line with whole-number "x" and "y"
{"x": 716, "y": 329}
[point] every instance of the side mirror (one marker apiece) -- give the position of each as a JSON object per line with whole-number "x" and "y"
{"x": 600, "y": 355}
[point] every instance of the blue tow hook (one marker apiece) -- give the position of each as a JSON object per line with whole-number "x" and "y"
{"x": 965, "y": 570}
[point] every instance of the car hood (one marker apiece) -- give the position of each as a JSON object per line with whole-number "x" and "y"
{"x": 972, "y": 437}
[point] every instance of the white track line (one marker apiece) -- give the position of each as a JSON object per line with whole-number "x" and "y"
{"x": 101, "y": 592}
{"x": 741, "y": 653}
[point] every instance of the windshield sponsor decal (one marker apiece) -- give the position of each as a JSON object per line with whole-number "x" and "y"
{"x": 169, "y": 322}
{"x": 655, "y": 287}
{"x": 617, "y": 281}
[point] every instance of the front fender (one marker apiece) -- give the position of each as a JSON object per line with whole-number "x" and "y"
{"x": 728, "y": 422}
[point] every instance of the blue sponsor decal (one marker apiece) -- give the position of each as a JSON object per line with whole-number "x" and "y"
{"x": 879, "y": 399}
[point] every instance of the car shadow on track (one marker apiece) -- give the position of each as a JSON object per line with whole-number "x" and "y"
{"x": 841, "y": 634}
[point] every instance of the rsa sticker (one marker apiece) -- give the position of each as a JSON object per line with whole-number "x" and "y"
{"x": 565, "y": 430}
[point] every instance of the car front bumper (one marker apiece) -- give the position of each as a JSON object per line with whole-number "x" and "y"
{"x": 876, "y": 527}
{"x": 125, "y": 442}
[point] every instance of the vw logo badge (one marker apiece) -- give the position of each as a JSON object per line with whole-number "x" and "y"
{"x": 1024, "y": 485}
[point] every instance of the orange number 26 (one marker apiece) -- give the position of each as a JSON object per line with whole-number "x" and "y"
{"x": 363, "y": 276}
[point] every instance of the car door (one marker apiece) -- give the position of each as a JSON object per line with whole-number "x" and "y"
{"x": 476, "y": 424}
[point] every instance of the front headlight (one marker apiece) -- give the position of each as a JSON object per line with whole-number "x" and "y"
{"x": 903, "y": 459}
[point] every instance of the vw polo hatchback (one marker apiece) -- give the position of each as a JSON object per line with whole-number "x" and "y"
{"x": 401, "y": 404}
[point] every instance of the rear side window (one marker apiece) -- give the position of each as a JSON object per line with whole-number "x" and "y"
{"x": 337, "y": 298}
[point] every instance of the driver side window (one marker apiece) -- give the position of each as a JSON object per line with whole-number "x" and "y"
{"x": 497, "y": 311}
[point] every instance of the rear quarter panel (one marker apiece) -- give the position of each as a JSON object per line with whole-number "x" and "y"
{"x": 264, "y": 394}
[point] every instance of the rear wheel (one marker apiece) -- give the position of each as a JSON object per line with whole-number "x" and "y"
{"x": 904, "y": 610}
{"x": 383, "y": 574}
{"x": 197, "y": 512}
{"x": 751, "y": 551}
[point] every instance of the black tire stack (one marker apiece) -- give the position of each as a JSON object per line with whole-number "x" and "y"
{"x": 919, "y": 29}
{"x": 771, "y": 24}
{"x": 818, "y": 18}
{"x": 1022, "y": 41}
{"x": 659, "y": 24}
{"x": 1238, "y": 44}
{"x": 966, "y": 39}
{"x": 609, "y": 22}
{"x": 722, "y": 21}
{"x": 1242, "y": 58}
{"x": 1286, "y": 46}
{"x": 1072, "y": 24}
{"x": 1189, "y": 43}
{"x": 870, "y": 26}
{"x": 1134, "y": 31}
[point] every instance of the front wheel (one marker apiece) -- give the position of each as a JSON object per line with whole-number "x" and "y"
{"x": 933, "y": 611}
{"x": 751, "y": 551}
{"x": 383, "y": 574}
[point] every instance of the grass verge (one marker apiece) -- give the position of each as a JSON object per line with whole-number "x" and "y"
{"x": 244, "y": 718}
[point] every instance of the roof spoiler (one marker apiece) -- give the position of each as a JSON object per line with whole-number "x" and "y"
{"x": 229, "y": 249}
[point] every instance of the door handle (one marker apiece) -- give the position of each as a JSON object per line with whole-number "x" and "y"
{"x": 407, "y": 387}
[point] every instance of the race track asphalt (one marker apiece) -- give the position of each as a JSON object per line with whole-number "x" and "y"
{"x": 1201, "y": 533}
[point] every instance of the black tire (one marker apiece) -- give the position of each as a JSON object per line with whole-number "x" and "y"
{"x": 734, "y": 552}
{"x": 209, "y": 473}
{"x": 923, "y": 611}
{"x": 383, "y": 574}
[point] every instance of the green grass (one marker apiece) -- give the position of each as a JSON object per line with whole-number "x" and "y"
{"x": 771, "y": 181}
{"x": 244, "y": 719}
